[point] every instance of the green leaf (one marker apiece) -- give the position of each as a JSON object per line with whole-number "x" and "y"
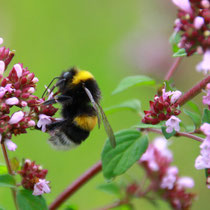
{"x": 7, "y": 180}
{"x": 15, "y": 164}
{"x": 110, "y": 188}
{"x": 167, "y": 135}
{"x": 175, "y": 38}
{"x": 180, "y": 53}
{"x": 133, "y": 81}
{"x": 3, "y": 169}
{"x": 27, "y": 201}
{"x": 132, "y": 105}
{"x": 206, "y": 116}
{"x": 143, "y": 125}
{"x": 2, "y": 208}
{"x": 71, "y": 207}
{"x": 194, "y": 107}
{"x": 196, "y": 118}
{"x": 130, "y": 146}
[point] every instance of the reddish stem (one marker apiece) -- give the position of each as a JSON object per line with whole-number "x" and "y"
{"x": 72, "y": 188}
{"x": 173, "y": 68}
{"x": 194, "y": 91}
{"x": 9, "y": 171}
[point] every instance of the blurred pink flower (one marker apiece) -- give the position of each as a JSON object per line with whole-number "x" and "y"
{"x": 185, "y": 182}
{"x": 2, "y": 67}
{"x": 18, "y": 70}
{"x": 12, "y": 101}
{"x": 172, "y": 124}
{"x": 16, "y": 117}
{"x": 175, "y": 96}
{"x": 198, "y": 22}
{"x": 205, "y": 128}
{"x": 10, "y": 145}
{"x": 183, "y": 5}
{"x": 1, "y": 40}
{"x": 204, "y": 65}
{"x": 41, "y": 187}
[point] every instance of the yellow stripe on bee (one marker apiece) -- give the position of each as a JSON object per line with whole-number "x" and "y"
{"x": 81, "y": 76}
{"x": 86, "y": 122}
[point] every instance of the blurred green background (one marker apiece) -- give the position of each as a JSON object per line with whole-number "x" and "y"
{"x": 112, "y": 39}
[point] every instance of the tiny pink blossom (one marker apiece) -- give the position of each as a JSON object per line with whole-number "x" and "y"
{"x": 31, "y": 90}
{"x": 166, "y": 94}
{"x": 183, "y": 5}
{"x": 0, "y": 138}
{"x": 204, "y": 65}
{"x": 185, "y": 182}
{"x": 31, "y": 123}
{"x": 2, "y": 67}
{"x": 205, "y": 128}
{"x": 23, "y": 103}
{"x": 2, "y": 92}
{"x": 177, "y": 24}
{"x": 1, "y": 40}
{"x": 172, "y": 124}
{"x": 206, "y": 99}
{"x": 16, "y": 117}
{"x": 35, "y": 80}
{"x": 198, "y": 22}
{"x": 12, "y": 101}
{"x": 10, "y": 145}
{"x": 18, "y": 70}
{"x": 8, "y": 88}
{"x": 43, "y": 121}
{"x": 169, "y": 179}
{"x": 41, "y": 187}
{"x": 202, "y": 162}
{"x": 175, "y": 96}
{"x": 205, "y": 4}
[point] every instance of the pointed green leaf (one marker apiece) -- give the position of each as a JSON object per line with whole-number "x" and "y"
{"x": 180, "y": 53}
{"x": 196, "y": 118}
{"x": 133, "y": 81}
{"x": 132, "y": 105}
{"x": 167, "y": 135}
{"x": 110, "y": 188}
{"x": 27, "y": 201}
{"x": 206, "y": 116}
{"x": 7, "y": 180}
{"x": 194, "y": 107}
{"x": 130, "y": 146}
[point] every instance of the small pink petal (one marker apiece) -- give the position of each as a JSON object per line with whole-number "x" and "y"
{"x": 12, "y": 101}
{"x": 205, "y": 128}
{"x": 35, "y": 80}
{"x": 18, "y": 70}
{"x": 175, "y": 96}
{"x": 172, "y": 123}
{"x": 205, "y": 4}
{"x": 31, "y": 123}
{"x": 41, "y": 187}
{"x": 198, "y": 22}
{"x": 10, "y": 145}
{"x": 16, "y": 117}
{"x": 23, "y": 103}
{"x": 185, "y": 182}
{"x": 2, "y": 67}
{"x": 204, "y": 65}
{"x": 1, "y": 40}
{"x": 31, "y": 90}
{"x": 183, "y": 5}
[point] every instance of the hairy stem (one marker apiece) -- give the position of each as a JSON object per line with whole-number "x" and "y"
{"x": 72, "y": 188}
{"x": 173, "y": 68}
{"x": 9, "y": 170}
{"x": 188, "y": 135}
{"x": 193, "y": 91}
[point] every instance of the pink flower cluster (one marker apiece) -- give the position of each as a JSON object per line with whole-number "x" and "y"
{"x": 165, "y": 180}
{"x": 193, "y": 23}
{"x": 17, "y": 89}
{"x": 162, "y": 108}
{"x": 33, "y": 178}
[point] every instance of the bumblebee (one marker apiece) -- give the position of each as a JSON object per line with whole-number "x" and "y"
{"x": 79, "y": 95}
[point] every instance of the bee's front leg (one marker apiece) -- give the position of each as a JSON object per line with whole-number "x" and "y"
{"x": 59, "y": 99}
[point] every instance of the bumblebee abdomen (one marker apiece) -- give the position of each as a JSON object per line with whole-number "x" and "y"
{"x": 86, "y": 122}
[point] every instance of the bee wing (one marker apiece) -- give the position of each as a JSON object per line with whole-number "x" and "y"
{"x": 94, "y": 105}
{"x": 107, "y": 127}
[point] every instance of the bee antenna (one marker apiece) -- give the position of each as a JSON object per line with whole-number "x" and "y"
{"x": 49, "y": 86}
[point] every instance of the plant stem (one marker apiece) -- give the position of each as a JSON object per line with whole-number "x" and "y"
{"x": 9, "y": 171}
{"x": 173, "y": 68}
{"x": 72, "y": 188}
{"x": 193, "y": 91}
{"x": 188, "y": 135}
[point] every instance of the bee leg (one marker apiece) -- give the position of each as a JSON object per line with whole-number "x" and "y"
{"x": 59, "y": 99}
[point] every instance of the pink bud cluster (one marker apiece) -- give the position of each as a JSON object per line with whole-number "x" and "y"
{"x": 162, "y": 108}
{"x": 17, "y": 89}
{"x": 33, "y": 178}
{"x": 193, "y": 23}
{"x": 164, "y": 178}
